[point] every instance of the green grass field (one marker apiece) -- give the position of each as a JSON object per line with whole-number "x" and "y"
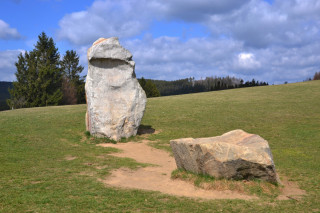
{"x": 47, "y": 164}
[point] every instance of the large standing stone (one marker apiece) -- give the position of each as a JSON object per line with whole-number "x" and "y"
{"x": 115, "y": 99}
{"x": 234, "y": 155}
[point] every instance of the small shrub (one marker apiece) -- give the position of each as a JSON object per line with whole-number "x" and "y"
{"x": 87, "y": 133}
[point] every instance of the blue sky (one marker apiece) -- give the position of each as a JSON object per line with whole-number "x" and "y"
{"x": 273, "y": 41}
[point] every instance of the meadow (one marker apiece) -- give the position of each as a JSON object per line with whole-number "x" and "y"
{"x": 49, "y": 164}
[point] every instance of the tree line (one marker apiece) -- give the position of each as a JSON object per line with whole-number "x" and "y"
{"x": 44, "y": 79}
{"x": 190, "y": 85}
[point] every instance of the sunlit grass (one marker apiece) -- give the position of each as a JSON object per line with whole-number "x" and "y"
{"x": 49, "y": 164}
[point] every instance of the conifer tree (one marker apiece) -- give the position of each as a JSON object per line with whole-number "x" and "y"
{"x": 142, "y": 82}
{"x": 38, "y": 75}
{"x": 151, "y": 89}
{"x": 71, "y": 71}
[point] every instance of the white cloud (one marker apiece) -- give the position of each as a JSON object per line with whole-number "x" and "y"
{"x": 129, "y": 18}
{"x": 247, "y": 61}
{"x": 194, "y": 11}
{"x": 6, "y": 32}
{"x": 7, "y": 64}
{"x": 249, "y": 39}
{"x": 170, "y": 58}
{"x": 106, "y": 19}
{"x": 261, "y": 25}
{"x": 256, "y": 23}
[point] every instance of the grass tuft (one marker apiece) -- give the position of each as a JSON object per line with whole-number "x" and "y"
{"x": 87, "y": 133}
{"x": 98, "y": 140}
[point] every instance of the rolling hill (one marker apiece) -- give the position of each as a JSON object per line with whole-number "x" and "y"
{"x": 49, "y": 164}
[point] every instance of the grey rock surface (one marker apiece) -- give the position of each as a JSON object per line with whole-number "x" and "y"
{"x": 233, "y": 155}
{"x": 115, "y": 100}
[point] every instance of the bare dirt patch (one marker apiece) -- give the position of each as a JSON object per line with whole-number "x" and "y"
{"x": 158, "y": 178}
{"x": 291, "y": 191}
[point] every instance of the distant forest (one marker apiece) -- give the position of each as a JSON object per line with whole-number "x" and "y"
{"x": 155, "y": 88}
{"x": 190, "y": 85}
{"x": 4, "y": 94}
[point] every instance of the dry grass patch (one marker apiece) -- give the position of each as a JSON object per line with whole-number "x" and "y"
{"x": 252, "y": 187}
{"x": 69, "y": 157}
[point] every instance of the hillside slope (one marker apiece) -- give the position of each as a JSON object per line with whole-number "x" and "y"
{"x": 49, "y": 165}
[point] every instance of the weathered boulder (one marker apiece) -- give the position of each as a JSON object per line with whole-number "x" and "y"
{"x": 233, "y": 155}
{"x": 115, "y": 99}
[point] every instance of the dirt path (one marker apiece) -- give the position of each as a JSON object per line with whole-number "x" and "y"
{"x": 157, "y": 178}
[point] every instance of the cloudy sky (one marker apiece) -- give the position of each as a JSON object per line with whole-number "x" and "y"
{"x": 268, "y": 40}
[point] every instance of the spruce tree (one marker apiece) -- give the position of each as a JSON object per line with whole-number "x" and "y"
{"x": 151, "y": 89}
{"x": 19, "y": 91}
{"x": 142, "y": 82}
{"x": 38, "y": 76}
{"x": 71, "y": 71}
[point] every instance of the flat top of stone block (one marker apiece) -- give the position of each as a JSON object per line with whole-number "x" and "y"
{"x": 235, "y": 137}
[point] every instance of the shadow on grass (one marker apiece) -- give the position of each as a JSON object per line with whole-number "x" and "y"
{"x": 142, "y": 130}
{"x": 145, "y": 129}
{"x": 98, "y": 140}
